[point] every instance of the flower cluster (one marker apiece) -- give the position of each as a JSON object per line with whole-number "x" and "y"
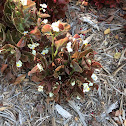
{"x": 43, "y": 7}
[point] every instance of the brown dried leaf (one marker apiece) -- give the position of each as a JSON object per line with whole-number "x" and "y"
{"x": 20, "y": 79}
{"x": 109, "y": 20}
{"x": 107, "y": 31}
{"x": 4, "y": 66}
{"x": 3, "y": 108}
{"x": 84, "y": 32}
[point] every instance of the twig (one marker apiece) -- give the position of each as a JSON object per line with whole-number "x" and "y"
{"x": 109, "y": 83}
{"x": 118, "y": 69}
{"x": 122, "y": 57}
{"x": 111, "y": 47}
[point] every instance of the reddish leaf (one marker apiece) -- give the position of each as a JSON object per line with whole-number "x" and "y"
{"x": 36, "y": 33}
{"x": 4, "y": 66}
{"x": 34, "y": 78}
{"x": 34, "y": 70}
{"x": 43, "y": 15}
{"x": 57, "y": 70}
{"x": 67, "y": 70}
{"x": 80, "y": 91}
{"x": 76, "y": 36}
{"x": 21, "y": 42}
{"x": 66, "y": 26}
{"x": 61, "y": 27}
{"x": 30, "y": 4}
{"x": 124, "y": 16}
{"x": 84, "y": 53}
{"x": 61, "y": 42}
{"x": 24, "y": 58}
{"x": 56, "y": 90}
{"x": 76, "y": 67}
{"x": 18, "y": 54}
{"x": 96, "y": 64}
{"x": 75, "y": 55}
{"x": 46, "y": 28}
{"x": 20, "y": 79}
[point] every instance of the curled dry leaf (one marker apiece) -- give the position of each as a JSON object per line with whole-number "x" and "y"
{"x": 3, "y": 108}
{"x": 117, "y": 55}
{"x": 107, "y": 31}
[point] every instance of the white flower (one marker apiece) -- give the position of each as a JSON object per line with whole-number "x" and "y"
{"x": 73, "y": 83}
{"x": 45, "y": 21}
{"x": 12, "y": 51}
{"x": 69, "y": 47}
{"x": 45, "y": 51}
{"x": 85, "y": 42}
{"x": 34, "y": 52}
{"x": 59, "y": 77}
{"x": 32, "y": 46}
{"x": 94, "y": 77}
{"x": 90, "y": 84}
{"x": 55, "y": 26}
{"x": 44, "y": 10}
{"x": 40, "y": 67}
{"x": 78, "y": 97}
{"x": 25, "y": 32}
{"x": 40, "y": 88}
{"x": 24, "y": 2}
{"x": 85, "y": 87}
{"x": 43, "y": 5}
{"x": 19, "y": 63}
{"x": 51, "y": 94}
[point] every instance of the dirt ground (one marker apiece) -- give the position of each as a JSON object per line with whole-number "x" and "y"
{"x": 23, "y": 105}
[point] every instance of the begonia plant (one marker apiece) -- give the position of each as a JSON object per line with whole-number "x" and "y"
{"x": 46, "y": 52}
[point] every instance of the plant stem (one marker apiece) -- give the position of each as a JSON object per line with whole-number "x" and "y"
{"x": 52, "y": 47}
{"x": 56, "y": 52}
